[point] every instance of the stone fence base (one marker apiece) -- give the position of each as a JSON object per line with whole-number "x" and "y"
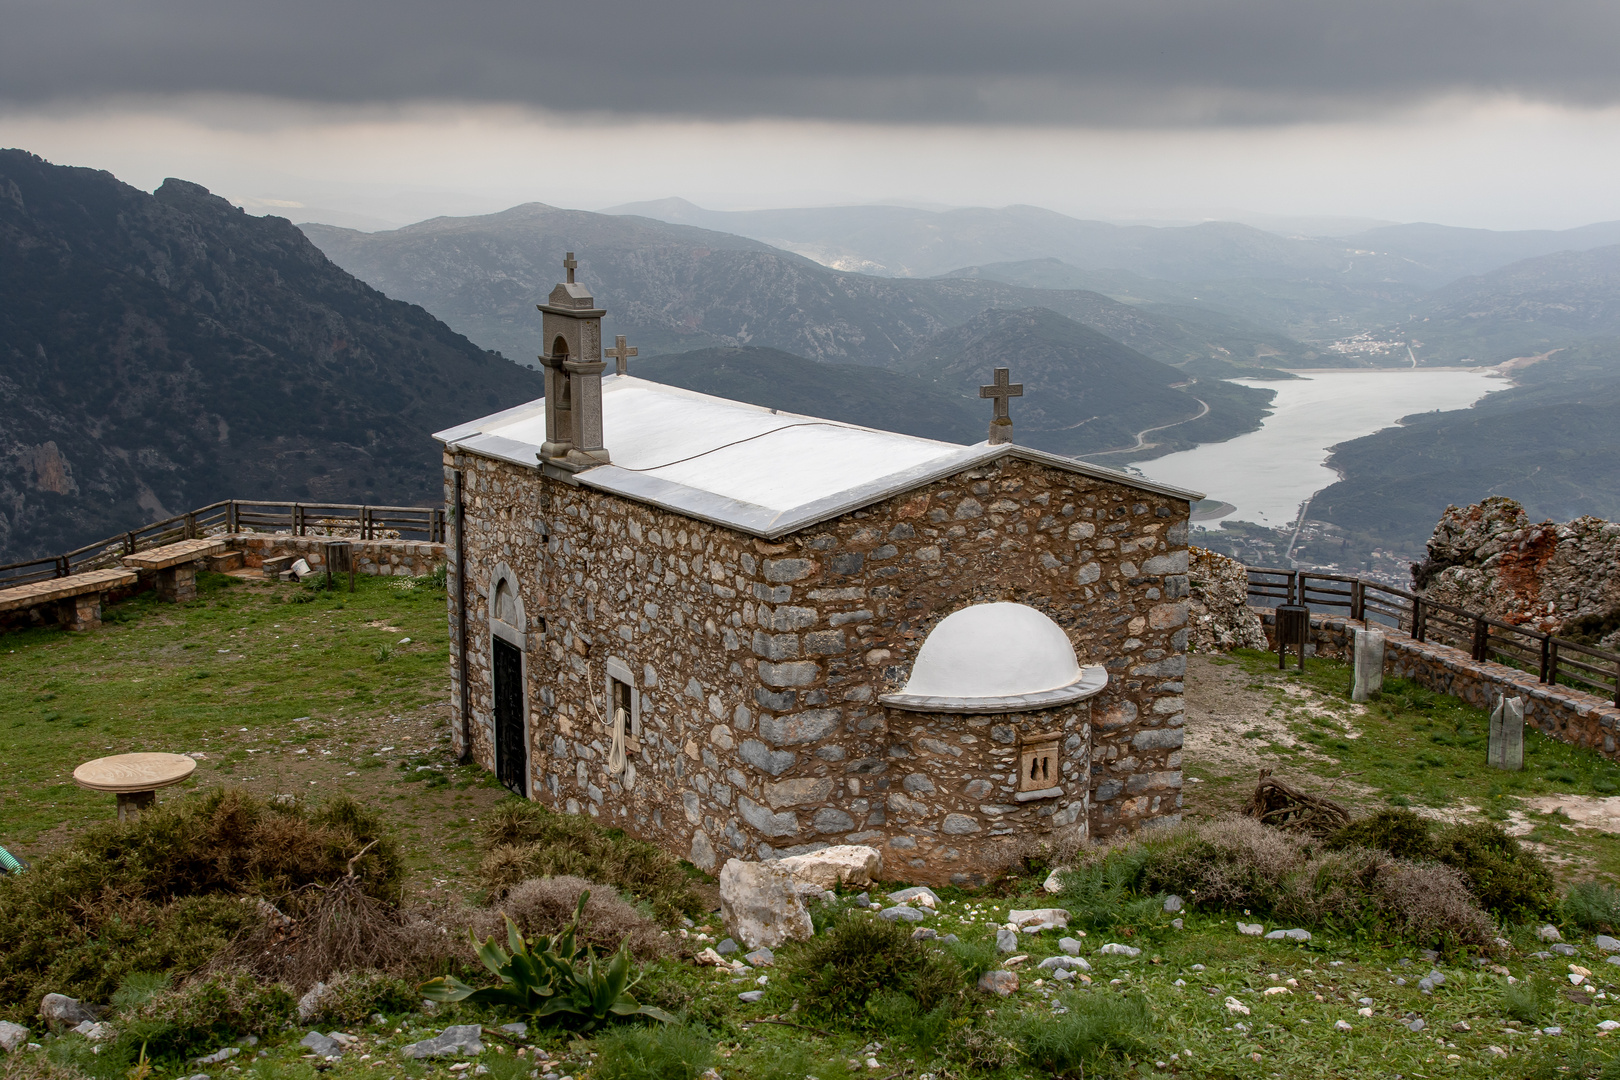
{"x": 1564, "y": 713}
{"x": 399, "y": 558}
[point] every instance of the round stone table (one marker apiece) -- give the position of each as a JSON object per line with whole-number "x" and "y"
{"x": 134, "y": 778}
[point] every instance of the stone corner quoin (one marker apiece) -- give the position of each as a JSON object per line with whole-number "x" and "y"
{"x": 758, "y": 666}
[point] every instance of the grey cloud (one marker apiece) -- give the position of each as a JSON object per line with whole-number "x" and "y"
{"x": 1036, "y": 61}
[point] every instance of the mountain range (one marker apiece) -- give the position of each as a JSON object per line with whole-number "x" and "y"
{"x": 678, "y": 288}
{"x": 159, "y": 351}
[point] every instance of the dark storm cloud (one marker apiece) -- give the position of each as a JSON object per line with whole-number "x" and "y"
{"x": 1109, "y": 62}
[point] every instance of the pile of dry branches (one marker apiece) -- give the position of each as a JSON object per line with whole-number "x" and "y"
{"x": 1285, "y": 807}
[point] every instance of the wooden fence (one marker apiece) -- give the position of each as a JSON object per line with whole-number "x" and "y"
{"x": 240, "y": 515}
{"x": 1554, "y": 659}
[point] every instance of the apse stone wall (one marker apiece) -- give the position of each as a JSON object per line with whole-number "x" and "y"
{"x": 760, "y": 664}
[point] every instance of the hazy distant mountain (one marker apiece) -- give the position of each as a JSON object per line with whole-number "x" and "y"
{"x": 1084, "y": 392}
{"x": 1440, "y": 253}
{"x": 904, "y": 242}
{"x": 164, "y": 351}
{"x": 851, "y": 393}
{"x": 675, "y": 288}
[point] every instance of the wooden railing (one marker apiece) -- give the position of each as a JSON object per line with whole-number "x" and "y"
{"x": 240, "y": 515}
{"x": 1553, "y": 659}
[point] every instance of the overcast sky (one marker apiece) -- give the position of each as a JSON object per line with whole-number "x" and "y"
{"x": 1499, "y": 113}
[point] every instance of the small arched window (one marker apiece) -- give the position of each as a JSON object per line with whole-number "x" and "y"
{"x": 506, "y": 603}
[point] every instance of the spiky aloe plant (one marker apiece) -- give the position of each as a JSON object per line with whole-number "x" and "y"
{"x": 551, "y": 978}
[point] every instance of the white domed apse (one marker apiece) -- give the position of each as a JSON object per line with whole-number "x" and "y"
{"x": 998, "y": 657}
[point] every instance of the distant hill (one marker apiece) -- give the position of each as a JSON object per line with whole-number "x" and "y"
{"x": 1084, "y": 392}
{"x": 676, "y": 288}
{"x": 852, "y": 393}
{"x": 1439, "y": 254}
{"x": 1552, "y": 442}
{"x": 1524, "y": 309}
{"x": 161, "y": 351}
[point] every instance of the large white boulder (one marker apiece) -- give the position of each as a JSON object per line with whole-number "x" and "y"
{"x": 845, "y": 864}
{"x": 761, "y": 905}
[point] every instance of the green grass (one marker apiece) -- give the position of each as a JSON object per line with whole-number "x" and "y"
{"x": 1426, "y": 746}
{"x": 239, "y": 674}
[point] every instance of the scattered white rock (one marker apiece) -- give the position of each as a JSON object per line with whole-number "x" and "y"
{"x": 1295, "y": 934}
{"x": 457, "y": 1038}
{"x": 1416, "y": 1025}
{"x": 1554, "y": 1030}
{"x": 1364, "y": 1011}
{"x": 1054, "y": 881}
{"x": 917, "y": 894}
{"x": 61, "y": 1011}
{"x": 1342, "y": 1025}
{"x": 761, "y": 958}
{"x": 95, "y": 1031}
{"x": 999, "y": 983}
{"x": 1069, "y": 945}
{"x": 1173, "y": 904}
{"x": 909, "y": 914}
{"x": 324, "y": 1045}
{"x": 12, "y": 1036}
{"x": 1114, "y": 948}
{"x": 1271, "y": 990}
{"x": 219, "y": 1057}
{"x": 748, "y": 997}
{"x": 309, "y": 1006}
{"x": 1007, "y": 940}
{"x": 1549, "y": 933}
{"x": 1038, "y": 919}
{"x": 1250, "y": 929}
{"x": 1609, "y": 1025}
{"x": 1605, "y": 943}
{"x": 760, "y": 905}
{"x": 1064, "y": 963}
{"x": 842, "y": 864}
{"x": 1236, "y": 1007}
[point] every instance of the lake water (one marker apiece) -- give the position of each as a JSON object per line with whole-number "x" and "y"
{"x": 1267, "y": 474}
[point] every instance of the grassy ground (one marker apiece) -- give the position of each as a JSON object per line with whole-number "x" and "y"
{"x": 1409, "y": 747}
{"x": 274, "y": 687}
{"x": 322, "y": 695}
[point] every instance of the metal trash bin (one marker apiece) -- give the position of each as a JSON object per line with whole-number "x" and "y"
{"x": 1293, "y": 628}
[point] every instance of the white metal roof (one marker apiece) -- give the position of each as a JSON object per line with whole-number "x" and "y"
{"x": 746, "y": 467}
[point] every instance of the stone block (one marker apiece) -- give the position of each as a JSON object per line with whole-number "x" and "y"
{"x": 824, "y": 643}
{"x": 959, "y": 825}
{"x": 781, "y": 571}
{"x": 766, "y": 760}
{"x": 765, "y": 822}
{"x": 1506, "y": 746}
{"x": 798, "y": 792}
{"x": 1158, "y": 739}
{"x": 798, "y": 728}
{"x": 792, "y": 673}
{"x": 842, "y": 864}
{"x": 1174, "y": 562}
{"x": 1368, "y": 676}
{"x": 830, "y": 819}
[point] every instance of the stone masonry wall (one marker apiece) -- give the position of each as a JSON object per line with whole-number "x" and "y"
{"x": 760, "y": 664}
{"x": 412, "y": 558}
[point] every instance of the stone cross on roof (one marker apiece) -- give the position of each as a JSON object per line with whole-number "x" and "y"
{"x": 621, "y": 354}
{"x": 570, "y": 265}
{"x": 1000, "y": 391}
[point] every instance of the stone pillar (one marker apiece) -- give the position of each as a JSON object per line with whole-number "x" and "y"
{"x": 131, "y": 803}
{"x": 177, "y": 584}
{"x": 1369, "y": 665}
{"x": 81, "y": 612}
{"x": 1507, "y": 735}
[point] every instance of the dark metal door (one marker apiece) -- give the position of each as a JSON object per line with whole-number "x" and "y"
{"x": 511, "y": 753}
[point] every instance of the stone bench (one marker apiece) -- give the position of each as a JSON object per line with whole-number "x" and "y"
{"x": 77, "y": 597}
{"x": 174, "y": 565}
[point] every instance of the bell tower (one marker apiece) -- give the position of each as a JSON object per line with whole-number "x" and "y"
{"x": 572, "y": 328}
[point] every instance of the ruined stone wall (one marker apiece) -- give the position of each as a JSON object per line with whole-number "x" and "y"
{"x": 412, "y": 558}
{"x": 759, "y": 665}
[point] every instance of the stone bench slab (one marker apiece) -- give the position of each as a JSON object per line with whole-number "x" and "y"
{"x": 170, "y": 555}
{"x": 45, "y": 592}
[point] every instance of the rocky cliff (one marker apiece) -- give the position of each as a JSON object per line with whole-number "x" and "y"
{"x": 1219, "y": 618}
{"x": 1560, "y": 578}
{"x": 162, "y": 351}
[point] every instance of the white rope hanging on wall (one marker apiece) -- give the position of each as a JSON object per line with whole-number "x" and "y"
{"x": 616, "y": 757}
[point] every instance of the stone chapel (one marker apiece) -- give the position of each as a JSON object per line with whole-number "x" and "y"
{"x": 743, "y": 633}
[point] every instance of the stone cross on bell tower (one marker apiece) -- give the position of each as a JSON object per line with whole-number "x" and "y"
{"x": 1001, "y": 391}
{"x": 621, "y": 354}
{"x": 572, "y": 325}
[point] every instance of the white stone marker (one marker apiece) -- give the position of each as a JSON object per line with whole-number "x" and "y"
{"x": 1507, "y": 735}
{"x": 1369, "y": 656}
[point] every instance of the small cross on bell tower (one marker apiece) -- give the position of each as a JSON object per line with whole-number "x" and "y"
{"x": 1000, "y": 392}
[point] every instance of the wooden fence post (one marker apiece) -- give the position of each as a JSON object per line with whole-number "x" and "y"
{"x": 1358, "y": 601}
{"x": 1546, "y": 656}
{"x": 230, "y": 516}
{"x": 1482, "y": 639}
{"x": 1552, "y": 661}
{"x": 1418, "y": 629}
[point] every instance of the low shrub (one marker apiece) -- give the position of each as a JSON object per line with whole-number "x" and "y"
{"x": 1101, "y": 1033}
{"x": 546, "y": 905}
{"x": 1592, "y": 905}
{"x": 1508, "y": 879}
{"x": 1526, "y": 1001}
{"x": 198, "y": 1017}
{"x": 1101, "y": 894}
{"x": 172, "y": 889}
{"x": 1237, "y": 863}
{"x": 974, "y": 957}
{"x": 661, "y": 1052}
{"x": 794, "y": 1061}
{"x": 525, "y": 840}
{"x": 838, "y": 972}
{"x": 1402, "y": 833}
{"x": 900, "y": 1018}
{"x": 352, "y": 996}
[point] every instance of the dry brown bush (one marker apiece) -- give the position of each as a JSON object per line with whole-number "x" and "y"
{"x": 545, "y": 906}
{"x": 1239, "y": 863}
